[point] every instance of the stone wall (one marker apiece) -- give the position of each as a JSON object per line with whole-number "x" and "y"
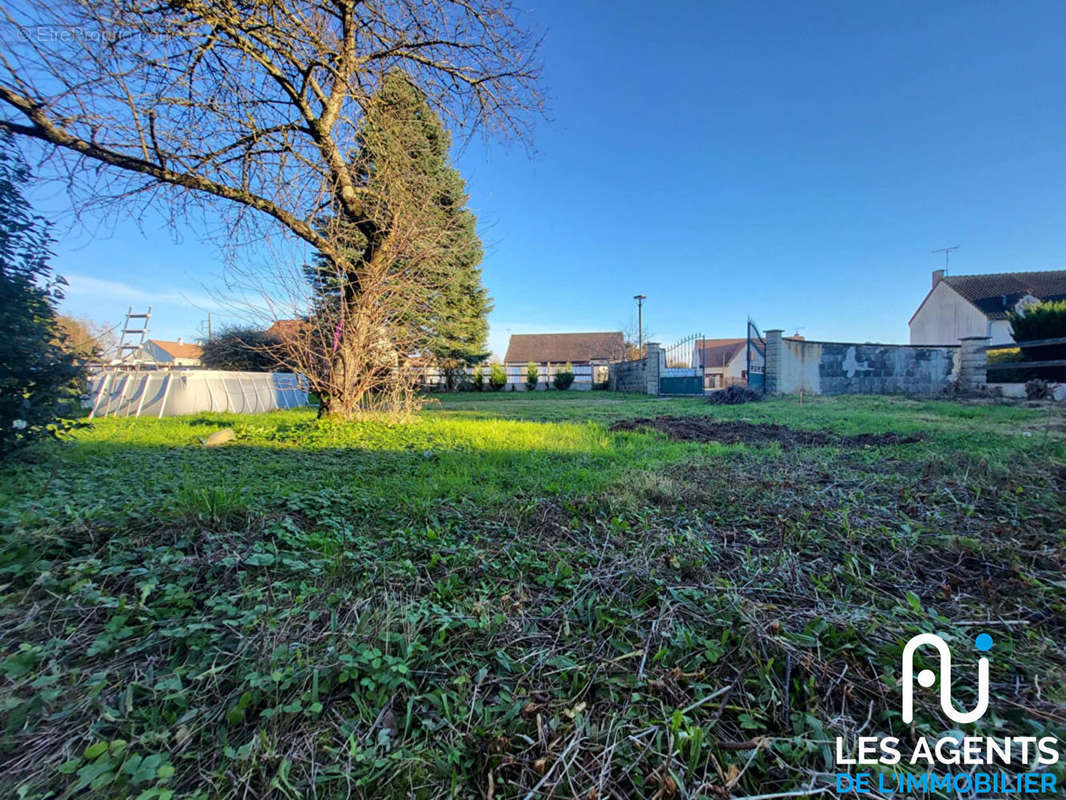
{"x": 771, "y": 356}
{"x": 640, "y": 376}
{"x": 629, "y": 376}
{"x": 973, "y": 363}
{"x": 805, "y": 367}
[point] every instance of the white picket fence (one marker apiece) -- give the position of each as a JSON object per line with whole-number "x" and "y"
{"x": 585, "y": 377}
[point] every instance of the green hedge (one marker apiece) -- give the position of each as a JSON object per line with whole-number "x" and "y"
{"x": 1045, "y": 320}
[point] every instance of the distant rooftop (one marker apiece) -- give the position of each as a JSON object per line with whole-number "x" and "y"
{"x": 563, "y": 347}
{"x": 997, "y": 293}
{"x": 719, "y": 352}
{"x": 284, "y": 328}
{"x": 178, "y": 349}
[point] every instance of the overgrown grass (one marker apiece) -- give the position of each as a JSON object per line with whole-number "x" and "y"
{"x": 375, "y": 473}
{"x": 505, "y": 599}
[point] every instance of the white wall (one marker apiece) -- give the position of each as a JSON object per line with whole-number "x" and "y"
{"x": 150, "y": 353}
{"x": 1017, "y": 390}
{"x": 946, "y": 317}
{"x": 999, "y": 330}
{"x": 799, "y": 367}
{"x": 740, "y": 363}
{"x": 733, "y": 372}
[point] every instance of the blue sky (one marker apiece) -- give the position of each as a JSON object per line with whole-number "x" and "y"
{"x": 796, "y": 162}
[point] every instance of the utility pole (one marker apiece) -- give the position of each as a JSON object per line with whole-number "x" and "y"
{"x": 947, "y": 252}
{"x": 640, "y": 298}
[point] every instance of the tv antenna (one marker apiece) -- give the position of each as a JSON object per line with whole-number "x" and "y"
{"x": 947, "y": 252}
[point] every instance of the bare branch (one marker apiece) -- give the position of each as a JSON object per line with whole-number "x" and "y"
{"x": 255, "y": 104}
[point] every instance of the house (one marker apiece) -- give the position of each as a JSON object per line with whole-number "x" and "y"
{"x": 286, "y": 328}
{"x": 588, "y": 353}
{"x": 958, "y": 306}
{"x": 171, "y": 354}
{"x": 559, "y": 348}
{"x": 725, "y": 361}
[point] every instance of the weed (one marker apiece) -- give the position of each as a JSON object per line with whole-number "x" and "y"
{"x": 504, "y": 597}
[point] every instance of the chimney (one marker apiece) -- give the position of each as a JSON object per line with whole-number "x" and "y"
{"x": 182, "y": 341}
{"x": 938, "y": 275}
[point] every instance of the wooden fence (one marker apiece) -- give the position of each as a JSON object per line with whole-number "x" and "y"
{"x": 1036, "y": 344}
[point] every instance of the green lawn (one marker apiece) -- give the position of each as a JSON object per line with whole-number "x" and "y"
{"x": 503, "y": 598}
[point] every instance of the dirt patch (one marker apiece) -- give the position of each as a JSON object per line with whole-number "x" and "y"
{"x": 702, "y": 429}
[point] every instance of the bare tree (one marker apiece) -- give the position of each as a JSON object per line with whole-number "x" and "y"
{"x": 632, "y": 336}
{"x": 87, "y": 339}
{"x": 259, "y": 105}
{"x": 355, "y": 341}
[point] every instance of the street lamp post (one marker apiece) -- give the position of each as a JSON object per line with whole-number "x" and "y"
{"x": 640, "y": 298}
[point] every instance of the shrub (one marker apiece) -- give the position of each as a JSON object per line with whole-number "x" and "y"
{"x": 1045, "y": 320}
{"x": 1011, "y": 355}
{"x": 477, "y": 379}
{"x": 242, "y": 349}
{"x": 38, "y": 380}
{"x": 564, "y": 379}
{"x": 497, "y": 377}
{"x": 532, "y": 376}
{"x": 1040, "y": 321}
{"x": 455, "y": 375}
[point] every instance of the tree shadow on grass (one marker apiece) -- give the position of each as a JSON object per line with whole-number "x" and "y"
{"x": 110, "y": 481}
{"x": 254, "y": 624}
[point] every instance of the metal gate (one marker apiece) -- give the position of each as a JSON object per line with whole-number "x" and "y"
{"x": 681, "y": 372}
{"x": 756, "y": 358}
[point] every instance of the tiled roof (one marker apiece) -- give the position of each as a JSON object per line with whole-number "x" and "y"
{"x": 562, "y": 347}
{"x": 178, "y": 349}
{"x": 996, "y": 294}
{"x": 284, "y": 328}
{"x": 719, "y": 352}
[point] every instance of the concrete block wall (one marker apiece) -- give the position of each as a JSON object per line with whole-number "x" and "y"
{"x": 807, "y": 367}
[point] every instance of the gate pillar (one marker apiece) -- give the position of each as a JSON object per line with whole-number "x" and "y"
{"x": 772, "y": 367}
{"x": 652, "y": 361}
